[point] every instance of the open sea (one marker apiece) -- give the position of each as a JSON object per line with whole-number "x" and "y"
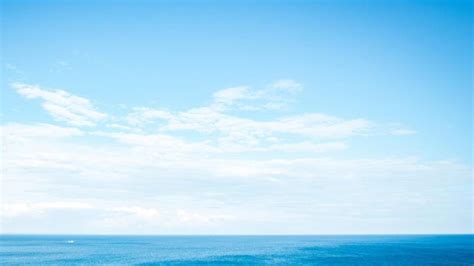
{"x": 237, "y": 250}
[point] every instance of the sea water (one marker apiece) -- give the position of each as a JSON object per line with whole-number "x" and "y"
{"x": 237, "y": 250}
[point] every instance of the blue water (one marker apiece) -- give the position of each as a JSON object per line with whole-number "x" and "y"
{"x": 243, "y": 250}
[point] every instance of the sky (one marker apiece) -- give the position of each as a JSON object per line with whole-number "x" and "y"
{"x": 236, "y": 117}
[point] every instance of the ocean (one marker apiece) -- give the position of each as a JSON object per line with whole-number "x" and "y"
{"x": 237, "y": 250}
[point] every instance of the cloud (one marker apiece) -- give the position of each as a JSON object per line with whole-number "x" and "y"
{"x": 16, "y": 131}
{"x": 310, "y": 147}
{"x": 159, "y": 143}
{"x": 158, "y": 134}
{"x": 228, "y": 133}
{"x": 131, "y": 155}
{"x": 19, "y": 209}
{"x": 225, "y": 130}
{"x": 128, "y": 178}
{"x": 139, "y": 212}
{"x": 59, "y": 66}
{"x": 322, "y": 126}
{"x": 214, "y": 168}
{"x": 199, "y": 218}
{"x": 11, "y": 210}
{"x": 14, "y": 70}
{"x": 205, "y": 120}
{"x": 254, "y": 135}
{"x": 219, "y": 128}
{"x": 231, "y": 95}
{"x": 63, "y": 106}
{"x": 144, "y": 115}
{"x": 275, "y": 96}
{"x": 234, "y": 132}
{"x": 403, "y": 132}
{"x": 287, "y": 85}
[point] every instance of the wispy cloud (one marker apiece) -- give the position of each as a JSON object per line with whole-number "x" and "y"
{"x": 275, "y": 96}
{"x": 15, "y": 71}
{"x": 230, "y": 96}
{"x": 403, "y": 132}
{"x": 245, "y": 133}
{"x": 200, "y": 154}
{"x": 9, "y": 210}
{"x": 62, "y": 105}
{"x": 287, "y": 85}
{"x": 218, "y": 125}
{"x": 143, "y": 115}
{"x": 16, "y": 131}
{"x": 196, "y": 217}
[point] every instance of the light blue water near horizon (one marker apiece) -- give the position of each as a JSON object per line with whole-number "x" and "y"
{"x": 241, "y": 250}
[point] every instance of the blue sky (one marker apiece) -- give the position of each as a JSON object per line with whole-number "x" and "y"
{"x": 207, "y": 117}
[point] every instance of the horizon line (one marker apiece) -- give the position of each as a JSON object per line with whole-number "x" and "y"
{"x": 218, "y": 235}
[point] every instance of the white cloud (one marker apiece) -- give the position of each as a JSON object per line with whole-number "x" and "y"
{"x": 18, "y": 209}
{"x": 120, "y": 127}
{"x": 165, "y": 171}
{"x": 235, "y": 134}
{"x": 220, "y": 126}
{"x": 143, "y": 115}
{"x": 322, "y": 126}
{"x": 16, "y": 131}
{"x": 276, "y": 96}
{"x": 139, "y": 212}
{"x": 62, "y": 205}
{"x": 13, "y": 69}
{"x": 287, "y": 84}
{"x": 231, "y": 95}
{"x": 309, "y": 147}
{"x": 11, "y": 210}
{"x": 199, "y": 218}
{"x": 159, "y": 143}
{"x": 403, "y": 132}
{"x": 63, "y": 106}
{"x": 228, "y": 131}
{"x": 208, "y": 120}
{"x": 246, "y": 191}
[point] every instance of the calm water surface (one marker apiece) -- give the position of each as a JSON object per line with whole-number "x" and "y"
{"x": 232, "y": 250}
